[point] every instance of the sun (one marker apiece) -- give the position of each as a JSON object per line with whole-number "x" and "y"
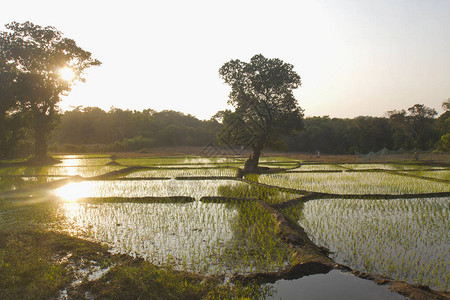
{"x": 67, "y": 73}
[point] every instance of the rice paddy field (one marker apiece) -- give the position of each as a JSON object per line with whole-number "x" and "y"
{"x": 191, "y": 213}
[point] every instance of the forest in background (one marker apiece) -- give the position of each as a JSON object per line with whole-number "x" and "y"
{"x": 91, "y": 129}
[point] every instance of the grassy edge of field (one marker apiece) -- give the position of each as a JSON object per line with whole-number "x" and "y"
{"x": 37, "y": 264}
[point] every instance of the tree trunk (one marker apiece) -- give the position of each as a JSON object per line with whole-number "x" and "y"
{"x": 251, "y": 164}
{"x": 40, "y": 142}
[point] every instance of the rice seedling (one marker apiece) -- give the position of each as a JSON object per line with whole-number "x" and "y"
{"x": 172, "y": 173}
{"x": 207, "y": 238}
{"x": 406, "y": 239}
{"x": 438, "y": 174}
{"x": 354, "y": 183}
{"x": 318, "y": 167}
{"x": 79, "y": 161}
{"x": 11, "y": 183}
{"x": 393, "y": 167}
{"x": 180, "y": 161}
{"x": 84, "y": 171}
{"x": 167, "y": 188}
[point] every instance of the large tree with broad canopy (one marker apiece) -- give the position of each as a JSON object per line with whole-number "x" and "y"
{"x": 44, "y": 65}
{"x": 265, "y": 107}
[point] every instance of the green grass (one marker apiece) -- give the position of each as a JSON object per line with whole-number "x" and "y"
{"x": 39, "y": 265}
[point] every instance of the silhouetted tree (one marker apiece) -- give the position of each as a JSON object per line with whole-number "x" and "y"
{"x": 443, "y": 125}
{"x": 11, "y": 119}
{"x": 414, "y": 129}
{"x": 261, "y": 92}
{"x": 37, "y": 54}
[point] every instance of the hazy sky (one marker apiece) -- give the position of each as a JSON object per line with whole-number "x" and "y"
{"x": 354, "y": 57}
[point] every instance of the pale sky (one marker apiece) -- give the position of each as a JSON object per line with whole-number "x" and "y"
{"x": 354, "y": 57}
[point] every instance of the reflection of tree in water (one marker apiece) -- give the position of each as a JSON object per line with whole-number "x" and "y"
{"x": 264, "y": 193}
{"x": 254, "y": 245}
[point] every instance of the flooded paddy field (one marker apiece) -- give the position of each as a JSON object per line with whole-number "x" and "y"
{"x": 354, "y": 183}
{"x": 189, "y": 213}
{"x": 211, "y": 238}
{"x": 406, "y": 239}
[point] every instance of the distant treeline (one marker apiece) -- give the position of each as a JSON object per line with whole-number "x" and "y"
{"x": 92, "y": 129}
{"x": 124, "y": 130}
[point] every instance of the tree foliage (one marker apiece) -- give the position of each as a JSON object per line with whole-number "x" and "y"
{"x": 91, "y": 128}
{"x": 415, "y": 128}
{"x": 125, "y": 130}
{"x": 262, "y": 95}
{"x": 35, "y": 55}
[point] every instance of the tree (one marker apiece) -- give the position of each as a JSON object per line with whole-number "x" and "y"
{"x": 39, "y": 55}
{"x": 414, "y": 129}
{"x": 11, "y": 120}
{"x": 443, "y": 125}
{"x": 261, "y": 92}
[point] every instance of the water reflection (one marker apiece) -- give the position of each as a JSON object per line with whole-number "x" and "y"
{"x": 74, "y": 191}
{"x": 189, "y": 236}
{"x": 155, "y": 188}
{"x": 333, "y": 285}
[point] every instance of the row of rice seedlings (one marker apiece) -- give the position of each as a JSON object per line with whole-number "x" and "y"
{"x": 393, "y": 167}
{"x": 438, "y": 174}
{"x": 11, "y": 183}
{"x": 83, "y": 162}
{"x": 84, "y": 171}
{"x": 81, "y": 156}
{"x": 172, "y": 173}
{"x": 166, "y": 188}
{"x": 406, "y": 239}
{"x": 354, "y": 183}
{"x": 207, "y": 238}
{"x": 264, "y": 159}
{"x": 318, "y": 167}
{"x": 177, "y": 161}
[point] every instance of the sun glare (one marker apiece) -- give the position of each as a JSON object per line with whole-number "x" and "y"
{"x": 67, "y": 73}
{"x": 73, "y": 191}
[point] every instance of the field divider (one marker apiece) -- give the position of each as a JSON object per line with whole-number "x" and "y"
{"x": 418, "y": 176}
{"x": 309, "y": 259}
{"x": 123, "y": 171}
{"x": 42, "y": 186}
{"x": 318, "y": 195}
